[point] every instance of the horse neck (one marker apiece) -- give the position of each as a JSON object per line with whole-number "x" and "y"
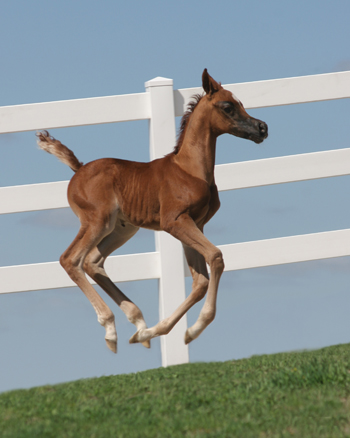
{"x": 197, "y": 153}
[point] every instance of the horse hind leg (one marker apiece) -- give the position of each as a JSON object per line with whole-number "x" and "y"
{"x": 72, "y": 260}
{"x": 94, "y": 267}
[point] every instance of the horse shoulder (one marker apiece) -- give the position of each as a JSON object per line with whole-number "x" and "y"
{"x": 214, "y": 203}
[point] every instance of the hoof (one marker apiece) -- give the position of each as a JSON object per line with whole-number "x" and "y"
{"x": 141, "y": 336}
{"x": 188, "y": 338}
{"x": 112, "y": 345}
{"x": 146, "y": 344}
{"x": 134, "y": 338}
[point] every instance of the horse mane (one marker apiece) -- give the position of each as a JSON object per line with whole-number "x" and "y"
{"x": 184, "y": 121}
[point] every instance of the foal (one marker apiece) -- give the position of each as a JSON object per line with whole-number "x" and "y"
{"x": 176, "y": 193}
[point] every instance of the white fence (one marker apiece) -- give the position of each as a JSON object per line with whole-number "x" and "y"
{"x": 161, "y": 104}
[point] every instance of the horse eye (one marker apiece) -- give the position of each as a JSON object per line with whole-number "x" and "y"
{"x": 228, "y": 109}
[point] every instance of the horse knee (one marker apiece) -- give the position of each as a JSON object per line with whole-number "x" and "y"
{"x": 216, "y": 262}
{"x": 200, "y": 288}
{"x": 71, "y": 267}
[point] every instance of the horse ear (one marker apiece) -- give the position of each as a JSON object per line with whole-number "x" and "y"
{"x": 210, "y": 86}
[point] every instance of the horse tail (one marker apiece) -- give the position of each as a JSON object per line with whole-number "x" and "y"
{"x": 55, "y": 147}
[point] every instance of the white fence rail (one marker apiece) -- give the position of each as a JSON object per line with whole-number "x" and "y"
{"x": 160, "y": 104}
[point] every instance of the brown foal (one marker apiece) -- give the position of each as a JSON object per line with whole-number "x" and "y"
{"x": 176, "y": 194}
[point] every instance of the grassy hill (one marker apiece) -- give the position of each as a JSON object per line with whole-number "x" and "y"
{"x": 284, "y": 395}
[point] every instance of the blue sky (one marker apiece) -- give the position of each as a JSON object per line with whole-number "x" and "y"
{"x": 54, "y": 50}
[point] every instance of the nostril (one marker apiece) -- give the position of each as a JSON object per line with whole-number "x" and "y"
{"x": 263, "y": 128}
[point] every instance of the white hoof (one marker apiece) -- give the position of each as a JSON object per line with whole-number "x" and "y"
{"x": 112, "y": 345}
{"x": 142, "y": 336}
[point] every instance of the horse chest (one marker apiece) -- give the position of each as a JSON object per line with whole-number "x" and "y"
{"x": 194, "y": 198}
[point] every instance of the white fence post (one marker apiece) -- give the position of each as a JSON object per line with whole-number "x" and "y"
{"x": 172, "y": 279}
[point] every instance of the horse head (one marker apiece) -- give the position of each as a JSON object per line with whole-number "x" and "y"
{"x": 227, "y": 113}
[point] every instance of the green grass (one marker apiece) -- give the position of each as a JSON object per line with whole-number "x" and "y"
{"x": 285, "y": 395}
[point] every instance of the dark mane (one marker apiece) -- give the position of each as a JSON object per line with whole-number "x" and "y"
{"x": 184, "y": 121}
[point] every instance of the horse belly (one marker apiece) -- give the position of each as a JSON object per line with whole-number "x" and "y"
{"x": 140, "y": 204}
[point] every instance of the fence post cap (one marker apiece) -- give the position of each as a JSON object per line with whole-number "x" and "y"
{"x": 159, "y": 82}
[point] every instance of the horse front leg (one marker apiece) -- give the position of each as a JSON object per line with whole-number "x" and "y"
{"x": 194, "y": 242}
